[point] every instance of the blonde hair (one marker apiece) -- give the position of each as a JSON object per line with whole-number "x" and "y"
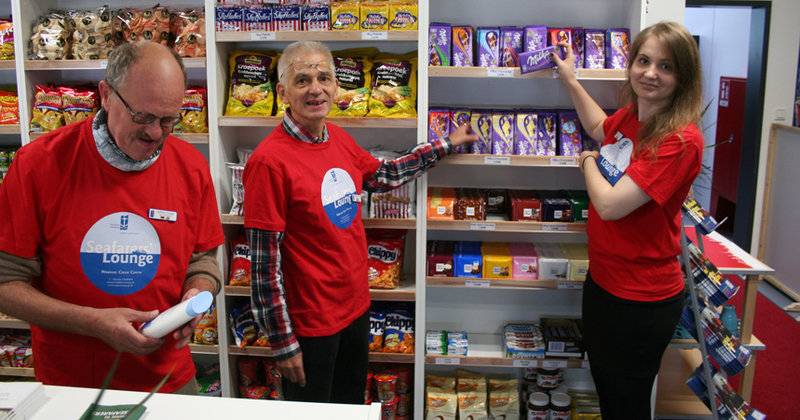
{"x": 686, "y": 106}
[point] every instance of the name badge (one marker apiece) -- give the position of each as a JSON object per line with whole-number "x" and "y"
{"x": 156, "y": 214}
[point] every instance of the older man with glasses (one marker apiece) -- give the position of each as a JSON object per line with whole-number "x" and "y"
{"x": 106, "y": 223}
{"x": 308, "y": 246}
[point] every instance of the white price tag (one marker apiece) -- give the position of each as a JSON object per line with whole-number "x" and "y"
{"x": 526, "y": 363}
{"x": 554, "y": 364}
{"x": 262, "y": 36}
{"x": 103, "y": 64}
{"x": 500, "y": 72}
{"x": 497, "y": 160}
{"x": 482, "y": 226}
{"x": 563, "y": 161}
{"x": 570, "y": 285}
{"x": 448, "y": 361}
{"x": 477, "y": 283}
{"x": 375, "y": 36}
{"x": 554, "y": 227}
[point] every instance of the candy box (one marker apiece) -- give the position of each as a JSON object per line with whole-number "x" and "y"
{"x": 439, "y": 44}
{"x": 468, "y": 259}
{"x": 470, "y": 204}
{"x": 546, "y": 135}
{"x": 403, "y": 16}
{"x": 488, "y": 47}
{"x": 559, "y": 35}
{"x": 462, "y": 47}
{"x": 524, "y": 261}
{"x": 503, "y": 133}
{"x": 578, "y": 46}
{"x": 496, "y": 260}
{"x": 535, "y": 38}
{"x": 538, "y": 59}
{"x": 229, "y": 17}
{"x": 562, "y": 337}
{"x": 553, "y": 265}
{"x": 438, "y": 123}
{"x": 496, "y": 201}
{"x": 457, "y": 118}
{"x": 440, "y": 258}
{"x": 578, "y": 256}
{"x": 481, "y": 122}
{"x": 618, "y": 45}
{"x": 524, "y": 205}
{"x": 510, "y": 46}
{"x": 569, "y": 134}
{"x": 440, "y": 203}
{"x": 594, "y": 55}
{"x": 556, "y": 209}
{"x": 580, "y": 205}
{"x": 525, "y": 133}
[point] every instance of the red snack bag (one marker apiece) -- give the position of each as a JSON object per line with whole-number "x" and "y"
{"x": 78, "y": 103}
{"x": 248, "y": 371}
{"x": 385, "y": 253}
{"x": 240, "y": 262}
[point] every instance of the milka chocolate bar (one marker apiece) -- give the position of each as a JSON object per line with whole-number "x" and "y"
{"x": 539, "y": 59}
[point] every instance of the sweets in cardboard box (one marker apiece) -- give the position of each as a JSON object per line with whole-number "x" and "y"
{"x": 562, "y": 337}
{"x": 546, "y": 136}
{"x": 525, "y": 133}
{"x": 578, "y": 255}
{"x": 403, "y": 16}
{"x": 511, "y": 46}
{"x": 524, "y": 205}
{"x": 481, "y": 122}
{"x": 497, "y": 260}
{"x": 524, "y": 261}
{"x": 438, "y": 123}
{"x": 569, "y": 134}
{"x": 440, "y": 261}
{"x": 618, "y": 44}
{"x": 535, "y": 37}
{"x": 487, "y": 47}
{"x": 459, "y": 117}
{"x": 468, "y": 259}
{"x": 553, "y": 265}
{"x": 503, "y": 133}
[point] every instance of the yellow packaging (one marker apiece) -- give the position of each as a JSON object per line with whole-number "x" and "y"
{"x": 578, "y": 256}
{"x": 394, "y": 86}
{"x": 354, "y": 73}
{"x": 440, "y": 203}
{"x": 374, "y": 16}
{"x": 251, "y": 90}
{"x": 345, "y": 16}
{"x": 47, "y": 114}
{"x": 496, "y": 260}
{"x": 403, "y": 16}
{"x": 9, "y": 107}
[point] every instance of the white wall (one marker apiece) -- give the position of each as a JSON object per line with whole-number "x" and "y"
{"x": 724, "y": 43}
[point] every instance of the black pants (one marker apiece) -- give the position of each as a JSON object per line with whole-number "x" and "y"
{"x": 625, "y": 341}
{"x": 335, "y": 366}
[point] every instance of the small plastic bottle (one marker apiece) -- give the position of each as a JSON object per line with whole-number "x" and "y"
{"x": 177, "y": 315}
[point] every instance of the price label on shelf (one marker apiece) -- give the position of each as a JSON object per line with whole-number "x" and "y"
{"x": 554, "y": 227}
{"x": 570, "y": 285}
{"x": 375, "y": 36}
{"x": 448, "y": 361}
{"x": 477, "y": 283}
{"x": 500, "y": 72}
{"x": 482, "y": 226}
{"x": 563, "y": 161}
{"x": 554, "y": 364}
{"x": 263, "y": 36}
{"x": 497, "y": 160}
{"x": 104, "y": 64}
{"x": 526, "y": 363}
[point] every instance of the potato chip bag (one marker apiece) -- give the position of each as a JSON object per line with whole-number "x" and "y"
{"x": 9, "y": 107}
{"x": 47, "y": 114}
{"x": 403, "y": 16}
{"x": 78, "y": 103}
{"x": 6, "y": 40}
{"x": 194, "y": 112}
{"x": 354, "y": 76}
{"x": 394, "y": 87}
{"x": 344, "y": 16}
{"x": 251, "y": 91}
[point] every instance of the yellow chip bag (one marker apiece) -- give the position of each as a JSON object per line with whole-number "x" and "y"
{"x": 78, "y": 103}
{"x": 344, "y": 16}
{"x": 46, "y": 113}
{"x": 374, "y": 16}
{"x": 403, "y": 16}
{"x": 194, "y": 112}
{"x": 251, "y": 91}
{"x": 353, "y": 74}
{"x": 394, "y": 87}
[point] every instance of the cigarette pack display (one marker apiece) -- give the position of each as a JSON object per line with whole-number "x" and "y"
{"x": 468, "y": 259}
{"x": 562, "y": 337}
{"x": 716, "y": 287}
{"x": 524, "y": 205}
{"x": 511, "y": 46}
{"x": 496, "y": 260}
{"x": 578, "y": 255}
{"x": 439, "y": 44}
{"x": 462, "y": 49}
{"x": 503, "y": 133}
{"x": 524, "y": 261}
{"x": 481, "y": 122}
{"x": 345, "y": 16}
{"x": 488, "y": 47}
{"x": 730, "y": 405}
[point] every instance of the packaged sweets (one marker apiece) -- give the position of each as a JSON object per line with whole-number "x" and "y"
{"x": 510, "y": 46}
{"x": 194, "y": 112}
{"x": 374, "y": 16}
{"x": 6, "y": 40}
{"x": 251, "y": 90}
{"x": 594, "y": 56}
{"x": 47, "y": 114}
{"x": 394, "y": 86}
{"x": 525, "y": 133}
{"x": 403, "y": 16}
{"x": 462, "y": 55}
{"x": 78, "y": 103}
{"x": 51, "y": 37}
{"x": 354, "y": 74}
{"x": 618, "y": 45}
{"x": 93, "y": 36}
{"x": 189, "y": 30}
{"x": 345, "y": 16}
{"x": 487, "y": 47}
{"x": 439, "y": 44}
{"x": 503, "y": 133}
{"x": 150, "y": 24}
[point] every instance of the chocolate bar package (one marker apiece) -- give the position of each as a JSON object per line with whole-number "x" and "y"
{"x": 438, "y": 123}
{"x": 462, "y": 49}
{"x": 481, "y": 122}
{"x": 510, "y": 46}
{"x": 524, "y": 205}
{"x": 556, "y": 209}
{"x": 470, "y": 204}
{"x": 524, "y": 261}
{"x": 578, "y": 255}
{"x": 618, "y": 47}
{"x": 569, "y": 134}
{"x": 546, "y": 135}
{"x": 535, "y": 38}
{"x": 496, "y": 260}
{"x": 316, "y": 17}
{"x": 468, "y": 259}
{"x": 559, "y": 35}
{"x": 457, "y": 118}
{"x": 594, "y": 55}
{"x": 580, "y": 205}
{"x": 440, "y": 258}
{"x": 503, "y": 133}
{"x": 525, "y": 135}
{"x": 439, "y": 44}
{"x": 538, "y": 59}
{"x": 488, "y": 47}
{"x": 496, "y": 201}
{"x": 440, "y": 203}
{"x": 562, "y": 337}
{"x": 577, "y": 46}
{"x": 553, "y": 265}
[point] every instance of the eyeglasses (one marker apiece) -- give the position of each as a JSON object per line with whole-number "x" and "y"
{"x": 145, "y": 118}
{"x": 323, "y": 67}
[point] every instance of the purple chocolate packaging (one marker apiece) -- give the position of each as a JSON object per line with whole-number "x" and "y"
{"x": 569, "y": 134}
{"x": 578, "y": 47}
{"x": 618, "y": 46}
{"x": 481, "y": 121}
{"x": 538, "y": 60}
{"x": 439, "y": 44}
{"x": 462, "y": 46}
{"x": 546, "y": 134}
{"x": 510, "y": 46}
{"x": 458, "y": 117}
{"x": 438, "y": 123}
{"x": 594, "y": 55}
{"x": 525, "y": 135}
{"x": 535, "y": 38}
{"x": 503, "y": 133}
{"x": 488, "y": 47}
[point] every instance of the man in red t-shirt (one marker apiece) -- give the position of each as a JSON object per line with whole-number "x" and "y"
{"x": 106, "y": 223}
{"x": 308, "y": 248}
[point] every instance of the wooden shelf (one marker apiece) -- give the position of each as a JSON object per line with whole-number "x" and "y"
{"x": 403, "y": 293}
{"x": 17, "y": 371}
{"x": 373, "y": 357}
{"x": 475, "y": 282}
{"x": 8, "y": 65}
{"x": 323, "y": 36}
{"x": 14, "y": 323}
{"x": 506, "y": 226}
{"x": 369, "y": 223}
{"x": 391, "y": 357}
{"x": 511, "y": 160}
{"x": 355, "y": 122}
{"x": 93, "y": 64}
{"x": 487, "y": 350}
{"x": 9, "y": 129}
{"x": 204, "y": 348}
{"x": 514, "y": 73}
{"x": 194, "y": 138}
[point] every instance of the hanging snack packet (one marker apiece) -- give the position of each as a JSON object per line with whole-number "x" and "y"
{"x": 47, "y": 114}
{"x": 394, "y": 87}
{"x": 251, "y": 92}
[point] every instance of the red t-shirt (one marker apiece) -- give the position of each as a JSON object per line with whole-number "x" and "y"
{"x": 101, "y": 243}
{"x": 635, "y": 257}
{"x": 311, "y": 192}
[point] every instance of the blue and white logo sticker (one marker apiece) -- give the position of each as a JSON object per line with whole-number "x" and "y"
{"x": 120, "y": 253}
{"x": 615, "y": 158}
{"x": 339, "y": 197}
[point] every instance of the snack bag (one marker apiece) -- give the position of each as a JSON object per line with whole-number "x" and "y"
{"x": 398, "y": 336}
{"x": 394, "y": 87}
{"x": 51, "y": 37}
{"x": 374, "y": 16}
{"x": 403, "y": 16}
{"x": 377, "y": 321}
{"x": 47, "y": 114}
{"x": 385, "y": 253}
{"x": 240, "y": 262}
{"x": 189, "y": 29}
{"x": 206, "y": 330}
{"x": 252, "y": 92}
{"x": 150, "y": 24}
{"x": 9, "y": 106}
{"x": 344, "y": 16}
{"x": 194, "y": 112}
{"x": 93, "y": 36}
{"x": 79, "y": 103}
{"x": 6, "y": 40}
{"x": 353, "y": 72}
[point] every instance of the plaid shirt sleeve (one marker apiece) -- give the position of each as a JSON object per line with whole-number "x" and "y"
{"x": 267, "y": 295}
{"x": 396, "y": 172}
